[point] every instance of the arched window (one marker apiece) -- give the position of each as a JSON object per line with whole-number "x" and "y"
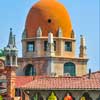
{"x": 52, "y": 96}
{"x": 30, "y": 70}
{"x": 69, "y": 68}
{"x": 68, "y": 46}
{"x": 86, "y": 96}
{"x": 37, "y": 96}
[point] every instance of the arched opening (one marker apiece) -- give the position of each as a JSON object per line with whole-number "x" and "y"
{"x": 52, "y": 96}
{"x": 8, "y": 60}
{"x": 86, "y": 96}
{"x": 37, "y": 96}
{"x": 14, "y": 60}
{"x": 30, "y": 70}
{"x": 69, "y": 69}
{"x": 68, "y": 96}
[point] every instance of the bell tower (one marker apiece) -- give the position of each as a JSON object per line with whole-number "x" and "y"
{"x": 10, "y": 52}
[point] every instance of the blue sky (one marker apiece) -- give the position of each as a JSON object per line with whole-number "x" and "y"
{"x": 84, "y": 16}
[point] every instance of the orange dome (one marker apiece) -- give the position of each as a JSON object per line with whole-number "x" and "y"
{"x": 49, "y": 15}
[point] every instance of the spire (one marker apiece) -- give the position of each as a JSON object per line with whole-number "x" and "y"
{"x": 82, "y": 41}
{"x": 10, "y": 51}
{"x": 39, "y": 32}
{"x": 14, "y": 40}
{"x": 72, "y": 34}
{"x": 82, "y": 47}
{"x": 59, "y": 32}
{"x": 10, "y": 42}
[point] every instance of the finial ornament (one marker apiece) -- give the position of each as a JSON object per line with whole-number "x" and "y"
{"x": 10, "y": 29}
{"x": 81, "y": 35}
{"x": 82, "y": 47}
{"x": 73, "y": 34}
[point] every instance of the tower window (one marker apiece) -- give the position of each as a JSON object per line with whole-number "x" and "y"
{"x": 55, "y": 45}
{"x": 69, "y": 69}
{"x": 30, "y": 70}
{"x": 68, "y": 46}
{"x": 30, "y": 46}
{"x": 45, "y": 45}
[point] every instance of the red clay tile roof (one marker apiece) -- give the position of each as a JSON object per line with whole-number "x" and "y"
{"x": 63, "y": 82}
{"x": 22, "y": 80}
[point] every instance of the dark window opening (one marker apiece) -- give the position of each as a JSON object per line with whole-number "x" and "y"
{"x": 17, "y": 92}
{"x": 68, "y": 46}
{"x": 86, "y": 96}
{"x": 54, "y": 45}
{"x": 49, "y": 20}
{"x": 45, "y": 45}
{"x": 69, "y": 69}
{"x": 30, "y": 46}
{"x": 30, "y": 70}
{"x": 14, "y": 60}
{"x": 8, "y": 60}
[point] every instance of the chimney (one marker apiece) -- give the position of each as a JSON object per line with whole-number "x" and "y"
{"x": 89, "y": 74}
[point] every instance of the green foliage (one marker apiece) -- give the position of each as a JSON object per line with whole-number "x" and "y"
{"x": 52, "y": 96}
{"x": 36, "y": 97}
{"x": 1, "y": 98}
{"x": 1, "y": 53}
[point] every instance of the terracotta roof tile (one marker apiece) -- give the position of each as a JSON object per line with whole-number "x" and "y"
{"x": 61, "y": 82}
{"x": 22, "y": 80}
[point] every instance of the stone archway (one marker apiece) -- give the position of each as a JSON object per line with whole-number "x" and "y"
{"x": 86, "y": 96}
{"x": 68, "y": 96}
{"x": 37, "y": 96}
{"x": 52, "y": 96}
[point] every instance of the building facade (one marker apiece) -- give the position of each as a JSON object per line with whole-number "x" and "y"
{"x": 49, "y": 68}
{"x": 49, "y": 42}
